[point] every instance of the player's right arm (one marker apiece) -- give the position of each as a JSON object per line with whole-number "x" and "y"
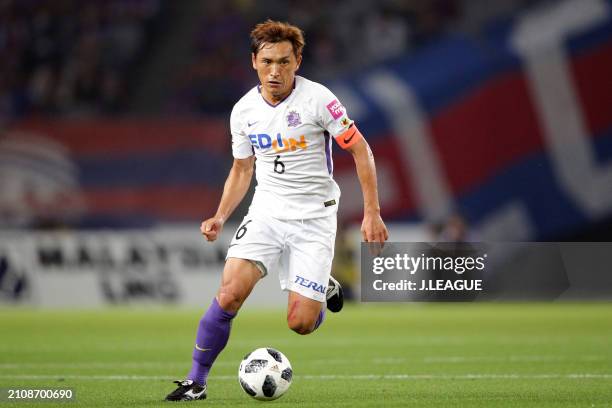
{"x": 239, "y": 178}
{"x": 236, "y": 186}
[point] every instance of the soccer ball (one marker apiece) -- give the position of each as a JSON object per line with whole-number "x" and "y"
{"x": 265, "y": 374}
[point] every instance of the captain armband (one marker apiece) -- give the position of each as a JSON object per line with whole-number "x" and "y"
{"x": 349, "y": 137}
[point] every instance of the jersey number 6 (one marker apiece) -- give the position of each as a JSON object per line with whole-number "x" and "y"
{"x": 279, "y": 166}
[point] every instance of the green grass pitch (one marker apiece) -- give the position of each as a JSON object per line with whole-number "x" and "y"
{"x": 396, "y": 355}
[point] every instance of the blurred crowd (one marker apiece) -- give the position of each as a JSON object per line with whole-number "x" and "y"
{"x": 341, "y": 36}
{"x": 69, "y": 57}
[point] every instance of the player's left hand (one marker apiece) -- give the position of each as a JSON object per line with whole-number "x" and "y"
{"x": 373, "y": 229}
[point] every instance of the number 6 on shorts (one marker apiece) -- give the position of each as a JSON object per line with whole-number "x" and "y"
{"x": 242, "y": 230}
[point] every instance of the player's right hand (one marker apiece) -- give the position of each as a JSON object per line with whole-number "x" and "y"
{"x": 211, "y": 228}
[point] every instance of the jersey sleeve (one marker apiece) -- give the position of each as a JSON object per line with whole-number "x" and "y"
{"x": 241, "y": 145}
{"x": 332, "y": 114}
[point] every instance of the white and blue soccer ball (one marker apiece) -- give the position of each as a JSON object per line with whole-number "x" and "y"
{"x": 265, "y": 374}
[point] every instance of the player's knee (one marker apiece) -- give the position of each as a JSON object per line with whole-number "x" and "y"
{"x": 229, "y": 300}
{"x": 300, "y": 326}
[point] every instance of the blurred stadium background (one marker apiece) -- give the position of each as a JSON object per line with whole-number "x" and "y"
{"x": 490, "y": 121}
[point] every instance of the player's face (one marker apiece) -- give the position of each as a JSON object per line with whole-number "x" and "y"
{"x": 276, "y": 65}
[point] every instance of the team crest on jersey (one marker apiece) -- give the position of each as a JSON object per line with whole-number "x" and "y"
{"x": 293, "y": 119}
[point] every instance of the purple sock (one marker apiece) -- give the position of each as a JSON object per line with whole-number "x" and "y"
{"x": 213, "y": 333}
{"x": 320, "y": 319}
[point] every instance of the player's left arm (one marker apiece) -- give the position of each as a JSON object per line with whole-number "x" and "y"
{"x": 334, "y": 119}
{"x": 373, "y": 228}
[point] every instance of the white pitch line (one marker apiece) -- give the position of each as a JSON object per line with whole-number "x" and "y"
{"x": 375, "y": 360}
{"x": 96, "y": 364}
{"x": 334, "y": 342}
{"x": 510, "y": 359}
{"x": 571, "y": 376}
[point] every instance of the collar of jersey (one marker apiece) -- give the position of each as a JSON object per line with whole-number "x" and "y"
{"x": 282, "y": 100}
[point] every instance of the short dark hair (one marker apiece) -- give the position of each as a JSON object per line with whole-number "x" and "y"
{"x": 271, "y": 31}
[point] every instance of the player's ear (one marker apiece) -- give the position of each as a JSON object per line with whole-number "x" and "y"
{"x": 299, "y": 61}
{"x": 253, "y": 60}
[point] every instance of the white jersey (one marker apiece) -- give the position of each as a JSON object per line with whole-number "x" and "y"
{"x": 291, "y": 142}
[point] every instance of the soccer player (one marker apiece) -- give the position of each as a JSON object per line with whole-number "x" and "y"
{"x": 284, "y": 128}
